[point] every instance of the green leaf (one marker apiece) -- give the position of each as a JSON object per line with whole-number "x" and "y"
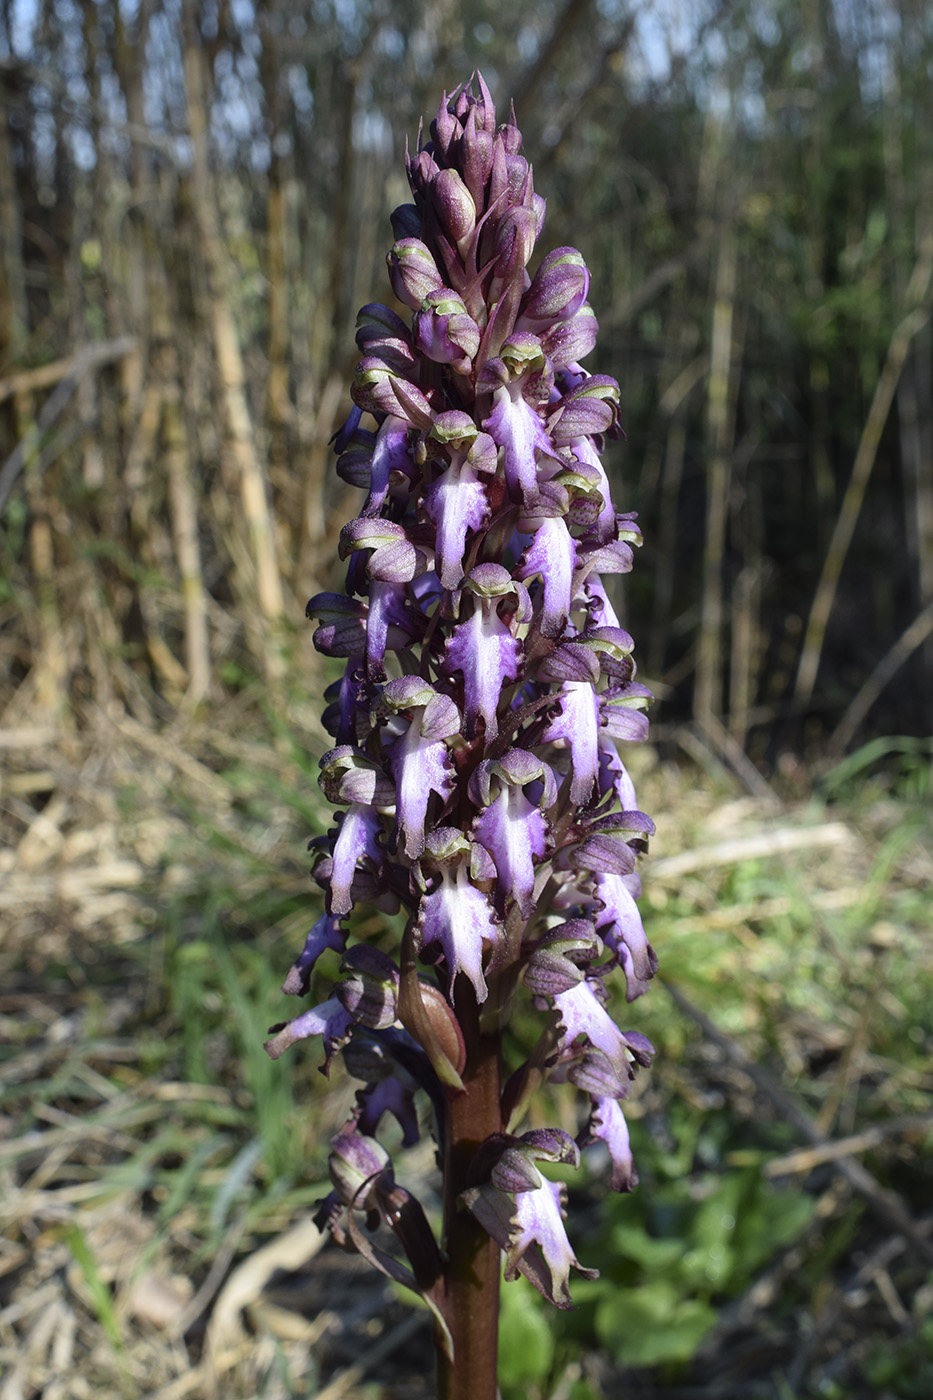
{"x": 649, "y": 1325}
{"x": 101, "y": 1299}
{"x": 526, "y": 1352}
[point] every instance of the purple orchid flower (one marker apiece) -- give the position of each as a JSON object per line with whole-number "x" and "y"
{"x": 488, "y": 690}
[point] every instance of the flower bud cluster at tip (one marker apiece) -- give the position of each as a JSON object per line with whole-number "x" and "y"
{"x": 487, "y": 685}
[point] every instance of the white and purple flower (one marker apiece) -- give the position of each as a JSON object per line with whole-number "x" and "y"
{"x": 487, "y": 689}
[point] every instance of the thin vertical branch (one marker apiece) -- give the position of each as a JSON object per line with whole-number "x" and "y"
{"x": 184, "y": 509}
{"x": 708, "y": 693}
{"x": 907, "y": 643}
{"x": 673, "y": 407}
{"x": 251, "y": 477}
{"x": 825, "y": 594}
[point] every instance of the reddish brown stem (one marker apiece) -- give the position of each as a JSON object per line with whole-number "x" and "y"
{"x": 472, "y": 1272}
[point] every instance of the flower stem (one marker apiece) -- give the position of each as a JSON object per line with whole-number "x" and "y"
{"x": 473, "y": 1258}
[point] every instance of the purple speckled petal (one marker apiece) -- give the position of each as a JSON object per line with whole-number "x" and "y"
{"x": 329, "y": 1020}
{"x": 359, "y": 827}
{"x": 513, "y": 831}
{"x": 577, "y": 726}
{"x": 326, "y": 933}
{"x": 459, "y": 917}
{"x": 552, "y": 554}
{"x": 483, "y": 648}
{"x": 519, "y": 431}
{"x": 457, "y": 503}
{"x": 531, "y": 1231}
{"x": 607, "y": 1124}
{"x": 620, "y": 926}
{"x": 420, "y": 766}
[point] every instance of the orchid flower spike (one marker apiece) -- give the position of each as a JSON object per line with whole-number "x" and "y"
{"x": 487, "y": 693}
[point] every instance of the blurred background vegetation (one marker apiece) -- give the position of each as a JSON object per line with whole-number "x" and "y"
{"x": 194, "y": 202}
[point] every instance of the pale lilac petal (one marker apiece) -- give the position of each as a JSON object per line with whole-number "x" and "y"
{"x": 552, "y": 554}
{"x": 459, "y": 917}
{"x": 530, "y": 1228}
{"x": 457, "y": 503}
{"x": 484, "y": 650}
{"x": 356, "y": 839}
{"x": 420, "y": 766}
{"x": 513, "y": 832}
{"x": 620, "y": 926}
{"x": 614, "y": 777}
{"x": 607, "y": 1124}
{"x": 577, "y": 726}
{"x": 329, "y": 1020}
{"x": 583, "y": 1014}
{"x": 519, "y": 431}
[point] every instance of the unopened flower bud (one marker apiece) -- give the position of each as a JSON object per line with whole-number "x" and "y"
{"x": 444, "y": 332}
{"x": 412, "y": 271}
{"x": 454, "y": 205}
{"x": 354, "y": 1164}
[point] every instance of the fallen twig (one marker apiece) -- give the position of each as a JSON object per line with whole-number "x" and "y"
{"x": 69, "y": 374}
{"x": 884, "y": 1203}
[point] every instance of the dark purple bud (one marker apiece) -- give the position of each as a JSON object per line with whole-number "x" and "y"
{"x": 589, "y": 410}
{"x": 595, "y": 1074}
{"x": 354, "y": 465}
{"x": 454, "y": 205}
{"x": 547, "y": 974}
{"x": 379, "y": 389}
{"x": 515, "y": 1171}
{"x": 445, "y": 131}
{"x": 406, "y": 222}
{"x": 476, "y": 156}
{"x": 623, "y": 711}
{"x": 395, "y": 559}
{"x": 342, "y": 631}
{"x": 514, "y": 245}
{"x": 422, "y": 169}
{"x": 377, "y": 323}
{"x": 569, "y": 662}
{"x": 369, "y": 993}
{"x": 350, "y": 775}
